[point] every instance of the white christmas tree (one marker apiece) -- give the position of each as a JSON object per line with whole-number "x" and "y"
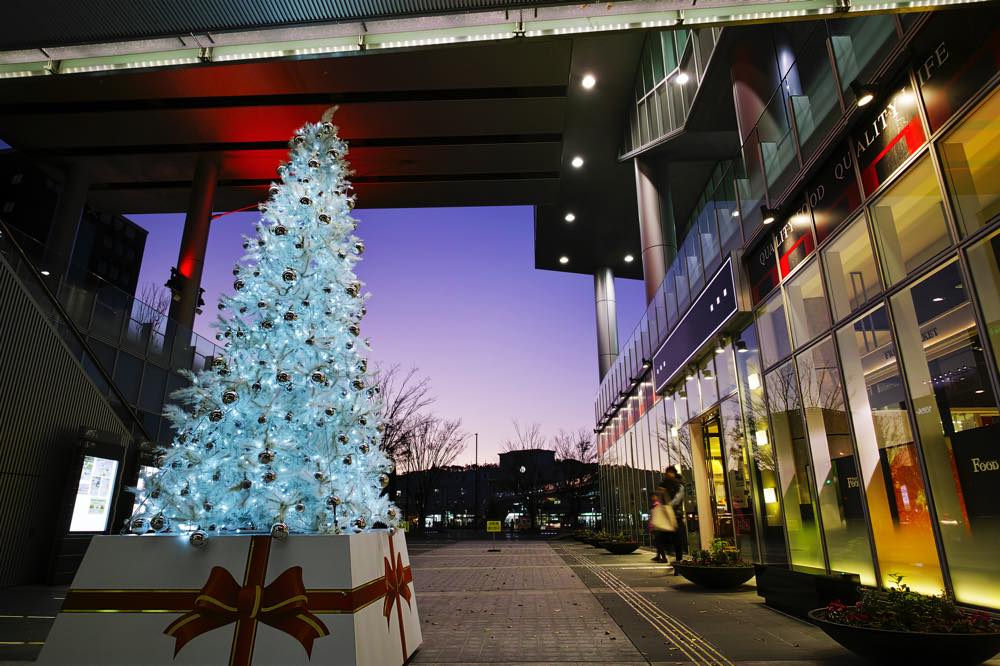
{"x": 282, "y": 434}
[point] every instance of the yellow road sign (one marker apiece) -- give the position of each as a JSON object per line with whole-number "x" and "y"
{"x": 492, "y": 525}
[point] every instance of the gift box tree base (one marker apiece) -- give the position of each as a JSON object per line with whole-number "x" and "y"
{"x": 305, "y": 599}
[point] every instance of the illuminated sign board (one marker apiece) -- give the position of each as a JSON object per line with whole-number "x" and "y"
{"x": 712, "y": 310}
{"x": 94, "y": 495}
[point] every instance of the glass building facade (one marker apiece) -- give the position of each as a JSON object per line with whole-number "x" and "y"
{"x": 848, "y": 420}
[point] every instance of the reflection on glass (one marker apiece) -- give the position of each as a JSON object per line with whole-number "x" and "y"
{"x": 888, "y": 462}
{"x": 984, "y": 264}
{"x": 970, "y": 157}
{"x": 774, "y": 341}
{"x": 834, "y": 467}
{"x": 909, "y": 222}
{"x": 725, "y": 370}
{"x": 852, "y": 276}
{"x": 738, "y": 478}
{"x": 807, "y": 308}
{"x": 792, "y": 454}
{"x": 812, "y": 92}
{"x": 758, "y": 438}
{"x": 706, "y": 375}
{"x": 859, "y": 46}
{"x": 750, "y": 185}
{"x": 777, "y": 148}
{"x": 957, "y": 420}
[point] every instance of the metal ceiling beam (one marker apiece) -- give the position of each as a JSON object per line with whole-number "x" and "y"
{"x": 347, "y": 37}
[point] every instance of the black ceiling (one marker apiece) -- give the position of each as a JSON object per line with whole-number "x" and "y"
{"x": 490, "y": 123}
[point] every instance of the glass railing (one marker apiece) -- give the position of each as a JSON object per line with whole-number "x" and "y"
{"x": 136, "y": 343}
{"x": 803, "y": 109}
{"x": 37, "y": 285}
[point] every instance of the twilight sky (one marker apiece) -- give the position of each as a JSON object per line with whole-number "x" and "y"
{"x": 454, "y": 293}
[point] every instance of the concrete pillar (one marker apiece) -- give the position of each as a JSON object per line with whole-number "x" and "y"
{"x": 66, "y": 220}
{"x": 191, "y": 258}
{"x": 607, "y": 319}
{"x": 657, "y": 233}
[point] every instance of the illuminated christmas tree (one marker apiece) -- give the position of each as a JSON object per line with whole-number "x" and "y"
{"x": 282, "y": 434}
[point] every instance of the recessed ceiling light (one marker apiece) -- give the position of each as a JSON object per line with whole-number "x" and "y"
{"x": 564, "y": 259}
{"x": 681, "y": 78}
{"x": 767, "y": 215}
{"x": 629, "y": 258}
{"x": 588, "y": 81}
{"x": 736, "y": 213}
{"x": 980, "y": 390}
{"x": 577, "y": 162}
{"x": 570, "y": 217}
{"x": 937, "y": 299}
{"x": 46, "y": 273}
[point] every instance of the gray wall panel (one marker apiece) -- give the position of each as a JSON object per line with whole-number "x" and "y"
{"x": 45, "y": 398}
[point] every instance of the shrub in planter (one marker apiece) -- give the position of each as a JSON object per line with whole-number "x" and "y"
{"x": 598, "y": 538}
{"x": 720, "y": 567}
{"x": 620, "y": 545}
{"x": 582, "y": 535}
{"x": 899, "y": 625}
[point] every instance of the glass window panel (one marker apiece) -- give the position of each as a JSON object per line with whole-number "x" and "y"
{"x": 725, "y": 370}
{"x": 750, "y": 185}
{"x": 727, "y": 215}
{"x": 909, "y": 222}
{"x": 738, "y": 479}
{"x": 774, "y": 341}
{"x": 128, "y": 372}
{"x": 656, "y": 57}
{"x": 888, "y": 462}
{"x": 852, "y": 276}
{"x": 681, "y": 283}
{"x": 670, "y": 297}
{"x": 777, "y": 147}
{"x": 793, "y": 465}
{"x": 691, "y": 252}
{"x": 984, "y": 262}
{"x": 669, "y": 57}
{"x": 812, "y": 91}
{"x": 859, "y": 46}
{"x": 834, "y": 465}
{"x": 688, "y": 89}
{"x": 758, "y": 435}
{"x": 970, "y": 158}
{"x": 807, "y": 308}
{"x": 957, "y": 420}
{"x": 706, "y": 375}
{"x": 153, "y": 382}
{"x": 709, "y": 236}
{"x": 692, "y": 390}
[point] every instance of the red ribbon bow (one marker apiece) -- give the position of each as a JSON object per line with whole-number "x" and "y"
{"x": 283, "y": 605}
{"x": 397, "y": 584}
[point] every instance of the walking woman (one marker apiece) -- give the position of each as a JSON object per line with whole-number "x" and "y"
{"x": 671, "y": 493}
{"x": 662, "y": 524}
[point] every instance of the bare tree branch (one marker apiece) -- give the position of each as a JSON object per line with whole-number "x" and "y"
{"x": 525, "y": 437}
{"x": 575, "y": 445}
{"x": 436, "y": 443}
{"x": 153, "y": 305}
{"x": 405, "y": 396}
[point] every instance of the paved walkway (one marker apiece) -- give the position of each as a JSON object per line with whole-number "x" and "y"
{"x": 536, "y": 603}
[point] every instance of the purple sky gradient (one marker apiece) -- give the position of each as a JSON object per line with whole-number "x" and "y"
{"x": 455, "y": 294}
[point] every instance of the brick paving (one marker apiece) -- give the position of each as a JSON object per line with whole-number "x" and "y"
{"x": 521, "y": 605}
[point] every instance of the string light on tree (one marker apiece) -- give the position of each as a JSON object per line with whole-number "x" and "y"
{"x": 281, "y": 434}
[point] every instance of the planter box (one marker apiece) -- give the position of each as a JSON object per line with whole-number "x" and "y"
{"x": 621, "y": 548}
{"x": 242, "y": 599}
{"x": 717, "y": 578}
{"x": 797, "y": 593}
{"x": 882, "y": 646}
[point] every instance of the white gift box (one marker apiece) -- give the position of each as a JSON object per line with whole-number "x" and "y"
{"x": 305, "y": 599}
